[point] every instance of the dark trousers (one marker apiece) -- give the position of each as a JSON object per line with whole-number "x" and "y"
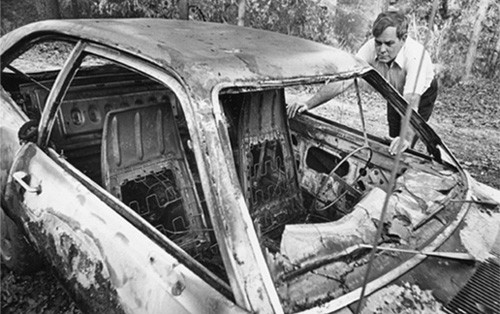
{"x": 425, "y": 108}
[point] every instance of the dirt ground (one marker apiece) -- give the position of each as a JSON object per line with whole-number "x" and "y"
{"x": 467, "y": 117}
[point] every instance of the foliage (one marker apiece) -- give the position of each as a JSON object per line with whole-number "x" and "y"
{"x": 308, "y": 19}
{"x": 450, "y": 37}
{"x": 132, "y": 8}
{"x": 300, "y": 18}
{"x": 341, "y": 23}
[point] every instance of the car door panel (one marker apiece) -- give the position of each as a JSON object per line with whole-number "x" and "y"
{"x": 101, "y": 257}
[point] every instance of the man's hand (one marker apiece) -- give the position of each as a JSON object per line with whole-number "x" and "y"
{"x": 398, "y": 145}
{"x": 296, "y": 108}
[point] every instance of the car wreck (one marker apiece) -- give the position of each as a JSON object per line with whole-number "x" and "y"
{"x": 154, "y": 167}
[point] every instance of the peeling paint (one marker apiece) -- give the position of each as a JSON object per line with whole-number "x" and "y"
{"x": 5, "y": 163}
{"x": 85, "y": 275}
{"x": 81, "y": 199}
{"x": 249, "y": 61}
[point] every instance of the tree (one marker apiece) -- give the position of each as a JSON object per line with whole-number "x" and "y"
{"x": 183, "y": 9}
{"x": 474, "y": 40}
{"x": 241, "y": 12}
{"x": 48, "y": 9}
{"x": 496, "y": 53}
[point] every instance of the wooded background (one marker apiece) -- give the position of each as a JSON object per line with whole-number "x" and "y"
{"x": 464, "y": 41}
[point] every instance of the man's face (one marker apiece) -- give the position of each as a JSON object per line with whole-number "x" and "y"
{"x": 388, "y": 44}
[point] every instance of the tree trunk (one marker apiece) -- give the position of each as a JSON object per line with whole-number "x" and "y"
{"x": 48, "y": 9}
{"x": 494, "y": 61}
{"x": 496, "y": 53}
{"x": 241, "y": 12}
{"x": 184, "y": 9}
{"x": 75, "y": 12}
{"x": 476, "y": 33}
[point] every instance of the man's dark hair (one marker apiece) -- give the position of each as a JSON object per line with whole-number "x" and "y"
{"x": 390, "y": 19}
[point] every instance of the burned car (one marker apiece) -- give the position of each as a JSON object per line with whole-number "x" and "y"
{"x": 152, "y": 165}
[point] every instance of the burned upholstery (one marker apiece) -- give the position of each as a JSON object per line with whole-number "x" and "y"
{"x": 267, "y": 169}
{"x": 144, "y": 165}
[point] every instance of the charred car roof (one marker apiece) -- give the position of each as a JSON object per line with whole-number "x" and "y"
{"x": 205, "y": 54}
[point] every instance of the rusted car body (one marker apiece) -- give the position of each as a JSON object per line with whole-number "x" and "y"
{"x": 156, "y": 171}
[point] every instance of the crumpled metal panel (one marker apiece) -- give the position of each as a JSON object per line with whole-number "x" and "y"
{"x": 303, "y": 241}
{"x": 415, "y": 193}
{"x": 322, "y": 261}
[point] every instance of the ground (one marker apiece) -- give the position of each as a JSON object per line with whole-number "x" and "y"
{"x": 467, "y": 117}
{"x": 468, "y": 120}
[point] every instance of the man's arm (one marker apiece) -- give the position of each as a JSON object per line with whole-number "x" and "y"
{"x": 413, "y": 100}
{"x": 401, "y": 145}
{"x": 327, "y": 92}
{"x": 324, "y": 94}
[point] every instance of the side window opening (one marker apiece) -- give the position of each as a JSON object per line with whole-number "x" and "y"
{"x": 111, "y": 110}
{"x": 30, "y": 76}
{"x": 344, "y": 109}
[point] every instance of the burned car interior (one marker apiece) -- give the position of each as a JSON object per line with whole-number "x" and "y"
{"x": 314, "y": 194}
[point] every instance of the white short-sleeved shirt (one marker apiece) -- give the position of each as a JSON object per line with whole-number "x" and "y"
{"x": 402, "y": 73}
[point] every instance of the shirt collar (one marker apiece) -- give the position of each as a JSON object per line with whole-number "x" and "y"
{"x": 401, "y": 55}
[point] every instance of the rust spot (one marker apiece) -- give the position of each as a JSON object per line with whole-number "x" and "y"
{"x": 122, "y": 237}
{"x": 261, "y": 294}
{"x": 249, "y": 60}
{"x": 240, "y": 262}
{"x": 177, "y": 288}
{"x": 100, "y": 296}
{"x": 30, "y": 153}
{"x": 138, "y": 302}
{"x": 81, "y": 199}
{"x": 5, "y": 162}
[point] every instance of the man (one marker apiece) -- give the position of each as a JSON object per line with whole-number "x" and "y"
{"x": 398, "y": 59}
